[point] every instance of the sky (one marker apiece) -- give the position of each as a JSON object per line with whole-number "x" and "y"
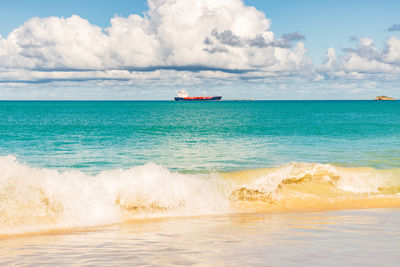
{"x": 277, "y": 49}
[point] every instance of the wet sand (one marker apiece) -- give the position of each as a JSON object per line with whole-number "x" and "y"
{"x": 349, "y": 238}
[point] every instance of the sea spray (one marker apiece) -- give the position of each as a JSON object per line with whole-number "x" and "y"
{"x": 33, "y": 199}
{"x": 40, "y": 199}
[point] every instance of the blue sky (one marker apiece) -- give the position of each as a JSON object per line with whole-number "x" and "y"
{"x": 325, "y": 24}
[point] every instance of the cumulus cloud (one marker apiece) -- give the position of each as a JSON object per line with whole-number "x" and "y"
{"x": 177, "y": 35}
{"x": 365, "y": 60}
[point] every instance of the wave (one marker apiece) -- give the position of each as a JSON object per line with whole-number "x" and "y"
{"x": 33, "y": 199}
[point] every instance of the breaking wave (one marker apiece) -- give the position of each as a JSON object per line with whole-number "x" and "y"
{"x": 33, "y": 199}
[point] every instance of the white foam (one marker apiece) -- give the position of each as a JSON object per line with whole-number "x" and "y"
{"x": 35, "y": 199}
{"x": 356, "y": 180}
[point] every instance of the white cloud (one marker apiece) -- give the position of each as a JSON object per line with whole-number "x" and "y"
{"x": 392, "y": 51}
{"x": 191, "y": 35}
{"x": 54, "y": 43}
{"x": 364, "y": 61}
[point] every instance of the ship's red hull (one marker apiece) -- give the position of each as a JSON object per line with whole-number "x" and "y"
{"x": 199, "y": 98}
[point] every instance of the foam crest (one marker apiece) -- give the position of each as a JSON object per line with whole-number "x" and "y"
{"x": 41, "y": 199}
{"x": 313, "y": 186}
{"x": 33, "y": 199}
{"x": 356, "y": 180}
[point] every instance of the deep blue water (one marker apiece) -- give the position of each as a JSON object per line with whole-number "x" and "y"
{"x": 193, "y": 136}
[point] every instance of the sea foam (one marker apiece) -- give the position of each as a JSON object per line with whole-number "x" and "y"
{"x": 38, "y": 199}
{"x": 41, "y": 199}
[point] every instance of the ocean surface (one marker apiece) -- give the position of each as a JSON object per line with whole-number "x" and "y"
{"x": 200, "y": 183}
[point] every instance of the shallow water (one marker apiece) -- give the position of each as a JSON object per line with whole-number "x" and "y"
{"x": 347, "y": 238}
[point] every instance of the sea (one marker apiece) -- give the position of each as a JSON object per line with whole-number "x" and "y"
{"x": 219, "y": 183}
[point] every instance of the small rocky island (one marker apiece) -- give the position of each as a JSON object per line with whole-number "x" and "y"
{"x": 382, "y": 97}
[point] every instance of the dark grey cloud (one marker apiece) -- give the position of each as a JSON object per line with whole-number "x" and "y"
{"x": 216, "y": 49}
{"x": 228, "y": 38}
{"x": 286, "y": 41}
{"x": 258, "y": 41}
{"x": 208, "y": 41}
{"x": 191, "y": 68}
{"x": 394, "y": 28}
{"x": 281, "y": 43}
{"x": 353, "y": 38}
{"x": 293, "y": 37}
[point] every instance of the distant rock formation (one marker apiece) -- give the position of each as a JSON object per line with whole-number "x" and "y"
{"x": 382, "y": 97}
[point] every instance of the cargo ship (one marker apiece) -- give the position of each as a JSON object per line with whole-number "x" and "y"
{"x": 183, "y": 96}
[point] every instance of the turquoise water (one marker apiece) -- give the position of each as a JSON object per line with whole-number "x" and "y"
{"x": 200, "y": 137}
